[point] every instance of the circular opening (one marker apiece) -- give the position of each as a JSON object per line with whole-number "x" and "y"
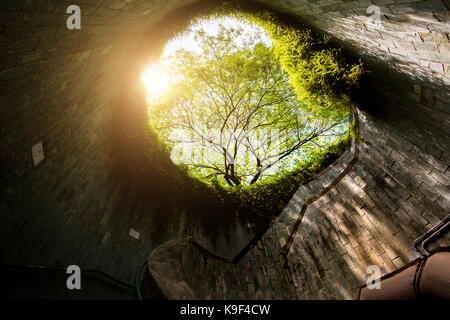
{"x": 224, "y": 101}
{"x": 313, "y": 70}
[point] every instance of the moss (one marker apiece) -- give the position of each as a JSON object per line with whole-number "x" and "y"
{"x": 318, "y": 72}
{"x": 264, "y": 200}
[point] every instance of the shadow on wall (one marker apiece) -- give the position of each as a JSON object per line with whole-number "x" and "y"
{"x": 397, "y": 191}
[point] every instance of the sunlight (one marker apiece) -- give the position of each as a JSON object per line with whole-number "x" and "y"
{"x": 156, "y": 78}
{"x": 156, "y": 81}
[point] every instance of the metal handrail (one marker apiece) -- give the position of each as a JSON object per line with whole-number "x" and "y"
{"x": 419, "y": 243}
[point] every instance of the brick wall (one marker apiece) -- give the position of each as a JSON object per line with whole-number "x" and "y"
{"x": 60, "y": 87}
{"x": 412, "y": 35}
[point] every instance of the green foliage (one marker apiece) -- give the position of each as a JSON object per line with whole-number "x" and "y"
{"x": 320, "y": 77}
{"x": 319, "y": 74}
{"x": 232, "y": 114}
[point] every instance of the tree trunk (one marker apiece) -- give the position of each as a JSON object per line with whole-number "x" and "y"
{"x": 256, "y": 176}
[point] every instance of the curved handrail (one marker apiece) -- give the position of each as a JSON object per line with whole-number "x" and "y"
{"x": 425, "y": 277}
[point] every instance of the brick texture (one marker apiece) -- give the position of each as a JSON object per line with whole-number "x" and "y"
{"x": 57, "y": 86}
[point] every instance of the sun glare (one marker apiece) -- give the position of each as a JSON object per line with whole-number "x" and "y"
{"x": 155, "y": 80}
{"x": 158, "y": 81}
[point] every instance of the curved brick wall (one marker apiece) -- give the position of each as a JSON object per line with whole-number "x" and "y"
{"x": 65, "y": 87}
{"x": 412, "y": 36}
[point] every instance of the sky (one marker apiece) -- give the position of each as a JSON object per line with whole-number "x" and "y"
{"x": 211, "y": 26}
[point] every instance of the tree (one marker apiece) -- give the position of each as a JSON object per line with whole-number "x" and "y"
{"x": 232, "y": 113}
